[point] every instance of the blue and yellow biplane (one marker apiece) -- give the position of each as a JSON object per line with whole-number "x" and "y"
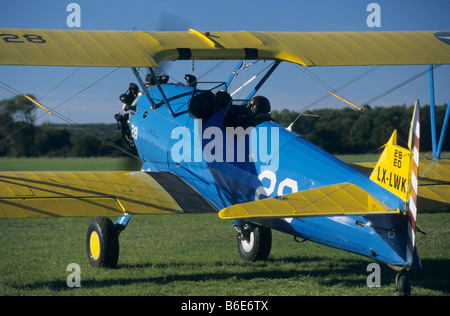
{"x": 203, "y": 151}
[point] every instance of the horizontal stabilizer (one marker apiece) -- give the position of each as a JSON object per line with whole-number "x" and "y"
{"x": 338, "y": 199}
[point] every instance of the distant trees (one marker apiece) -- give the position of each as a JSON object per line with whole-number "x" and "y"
{"x": 51, "y": 141}
{"x": 337, "y": 131}
{"x": 17, "y": 128}
{"x": 20, "y": 137}
{"x": 348, "y": 131}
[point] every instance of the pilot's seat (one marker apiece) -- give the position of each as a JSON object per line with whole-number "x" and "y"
{"x": 237, "y": 116}
{"x": 202, "y": 105}
{"x": 255, "y": 112}
{"x": 223, "y": 99}
{"x": 206, "y": 104}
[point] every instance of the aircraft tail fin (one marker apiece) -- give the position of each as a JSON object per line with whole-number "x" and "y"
{"x": 392, "y": 170}
{"x": 397, "y": 171}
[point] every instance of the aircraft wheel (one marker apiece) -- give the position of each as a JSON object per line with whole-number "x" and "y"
{"x": 403, "y": 285}
{"x": 102, "y": 243}
{"x": 254, "y": 243}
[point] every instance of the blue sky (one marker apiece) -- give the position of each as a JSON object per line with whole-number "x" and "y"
{"x": 290, "y": 87}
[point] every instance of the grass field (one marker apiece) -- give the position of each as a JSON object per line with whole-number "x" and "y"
{"x": 194, "y": 255}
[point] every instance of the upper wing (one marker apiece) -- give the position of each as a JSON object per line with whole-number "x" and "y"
{"x": 337, "y": 199}
{"x": 101, "y": 193}
{"x": 148, "y": 49}
{"x": 434, "y": 184}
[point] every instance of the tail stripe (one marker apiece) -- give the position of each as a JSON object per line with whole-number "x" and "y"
{"x": 414, "y": 192}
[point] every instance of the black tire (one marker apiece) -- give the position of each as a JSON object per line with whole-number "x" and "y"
{"x": 102, "y": 243}
{"x": 258, "y": 245}
{"x": 403, "y": 285}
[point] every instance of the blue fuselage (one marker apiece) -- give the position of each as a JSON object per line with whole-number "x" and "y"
{"x": 227, "y": 167}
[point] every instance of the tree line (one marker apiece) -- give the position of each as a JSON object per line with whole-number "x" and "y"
{"x": 348, "y": 131}
{"x": 21, "y": 137}
{"x": 338, "y": 131}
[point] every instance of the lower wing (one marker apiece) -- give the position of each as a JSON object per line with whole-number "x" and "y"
{"x": 101, "y": 193}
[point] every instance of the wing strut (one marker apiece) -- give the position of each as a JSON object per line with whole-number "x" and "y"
{"x": 143, "y": 87}
{"x": 263, "y": 79}
{"x": 241, "y": 65}
{"x": 163, "y": 95}
{"x": 443, "y": 130}
{"x": 436, "y": 150}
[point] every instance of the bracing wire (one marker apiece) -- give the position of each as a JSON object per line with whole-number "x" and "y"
{"x": 16, "y": 92}
{"x": 426, "y": 238}
{"x": 329, "y": 88}
{"x": 399, "y": 85}
{"x": 61, "y": 116}
{"x": 324, "y": 84}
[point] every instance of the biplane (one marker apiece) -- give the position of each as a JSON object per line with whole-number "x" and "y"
{"x": 204, "y": 151}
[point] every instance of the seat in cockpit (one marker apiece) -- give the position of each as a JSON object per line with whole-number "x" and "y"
{"x": 202, "y": 105}
{"x": 255, "y": 112}
{"x": 206, "y": 104}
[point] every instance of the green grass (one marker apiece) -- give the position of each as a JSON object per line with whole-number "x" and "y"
{"x": 197, "y": 255}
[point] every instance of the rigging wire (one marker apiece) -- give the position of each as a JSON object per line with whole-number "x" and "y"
{"x": 61, "y": 116}
{"x": 64, "y": 80}
{"x": 426, "y": 239}
{"x": 17, "y": 92}
{"x": 68, "y": 120}
{"x": 399, "y": 85}
{"x": 325, "y": 96}
{"x": 13, "y": 93}
{"x": 9, "y": 88}
{"x": 207, "y": 72}
{"x": 329, "y": 88}
{"x": 86, "y": 88}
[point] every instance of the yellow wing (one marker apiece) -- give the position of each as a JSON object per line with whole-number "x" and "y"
{"x": 148, "y": 49}
{"x": 101, "y": 193}
{"x": 434, "y": 184}
{"x": 338, "y": 199}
